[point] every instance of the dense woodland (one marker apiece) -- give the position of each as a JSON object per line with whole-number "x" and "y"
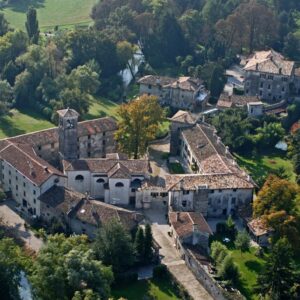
{"x": 199, "y": 38}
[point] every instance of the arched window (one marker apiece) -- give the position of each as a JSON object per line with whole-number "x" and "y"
{"x": 119, "y": 184}
{"x": 100, "y": 180}
{"x": 136, "y": 183}
{"x": 79, "y": 178}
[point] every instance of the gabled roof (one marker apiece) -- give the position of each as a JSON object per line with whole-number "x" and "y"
{"x": 183, "y": 117}
{"x": 184, "y": 223}
{"x": 68, "y": 112}
{"x": 269, "y": 62}
{"x": 23, "y": 158}
{"x": 61, "y": 198}
{"x": 228, "y": 101}
{"x": 119, "y": 171}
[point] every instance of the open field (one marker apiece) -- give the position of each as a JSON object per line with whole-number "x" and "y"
{"x": 18, "y": 122}
{"x": 161, "y": 289}
{"x": 64, "y": 13}
{"x": 261, "y": 165}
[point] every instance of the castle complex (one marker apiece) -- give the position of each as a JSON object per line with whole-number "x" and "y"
{"x": 74, "y": 173}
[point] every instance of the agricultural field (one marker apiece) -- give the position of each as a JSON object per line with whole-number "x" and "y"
{"x": 63, "y": 13}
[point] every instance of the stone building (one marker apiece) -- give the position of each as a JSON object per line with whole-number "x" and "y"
{"x": 269, "y": 76}
{"x": 82, "y": 215}
{"x": 179, "y": 93}
{"x": 189, "y": 228}
{"x": 227, "y": 101}
{"x": 216, "y": 185}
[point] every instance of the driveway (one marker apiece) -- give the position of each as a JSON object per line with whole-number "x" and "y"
{"x": 171, "y": 258}
{"x": 16, "y": 223}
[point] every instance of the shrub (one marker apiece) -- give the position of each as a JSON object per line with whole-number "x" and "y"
{"x": 228, "y": 270}
{"x": 218, "y": 252}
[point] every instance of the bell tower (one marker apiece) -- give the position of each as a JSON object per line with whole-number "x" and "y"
{"x": 67, "y": 132}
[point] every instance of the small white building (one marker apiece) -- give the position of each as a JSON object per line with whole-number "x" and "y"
{"x": 255, "y": 109}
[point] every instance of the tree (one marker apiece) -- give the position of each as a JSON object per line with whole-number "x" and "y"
{"x": 269, "y": 135}
{"x": 217, "y": 82}
{"x": 32, "y": 25}
{"x": 139, "y": 244}
{"x": 242, "y": 241}
{"x": 113, "y": 245}
{"x": 138, "y": 125}
{"x": 67, "y": 265}
{"x": 148, "y": 244}
{"x": 10, "y": 268}
{"x": 218, "y": 252}
{"x": 4, "y": 25}
{"x": 230, "y": 227}
{"x": 228, "y": 270}
{"x": 6, "y": 97}
{"x": 278, "y": 276}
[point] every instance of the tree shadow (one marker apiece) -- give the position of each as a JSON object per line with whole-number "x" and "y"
{"x": 9, "y": 129}
{"x": 254, "y": 266}
{"x": 22, "y": 6}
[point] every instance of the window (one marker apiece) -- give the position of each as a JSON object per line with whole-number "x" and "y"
{"x": 79, "y": 178}
{"x": 149, "y": 86}
{"x": 9, "y": 172}
{"x": 16, "y": 178}
{"x": 34, "y": 200}
{"x": 52, "y": 145}
{"x": 17, "y": 187}
{"x": 269, "y": 86}
{"x": 100, "y": 180}
{"x": 260, "y": 93}
{"x": 271, "y": 77}
{"x": 261, "y": 84}
{"x": 56, "y": 180}
{"x": 24, "y": 193}
{"x": 283, "y": 89}
{"x": 34, "y": 192}
{"x": 186, "y": 192}
{"x": 89, "y": 137}
{"x": 103, "y": 142}
{"x": 39, "y": 148}
{"x": 89, "y": 154}
{"x": 24, "y": 184}
{"x": 133, "y": 190}
{"x": 220, "y": 191}
{"x": 103, "y": 133}
{"x": 119, "y": 184}
{"x": 212, "y": 191}
{"x": 234, "y": 190}
{"x": 24, "y": 202}
{"x": 183, "y": 203}
{"x": 233, "y": 200}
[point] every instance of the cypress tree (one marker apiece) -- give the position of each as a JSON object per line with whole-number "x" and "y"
{"x": 139, "y": 244}
{"x": 148, "y": 253}
{"x": 32, "y": 26}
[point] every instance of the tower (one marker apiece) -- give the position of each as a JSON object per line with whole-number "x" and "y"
{"x": 67, "y": 132}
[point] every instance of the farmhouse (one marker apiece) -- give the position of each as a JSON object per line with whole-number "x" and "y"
{"x": 181, "y": 93}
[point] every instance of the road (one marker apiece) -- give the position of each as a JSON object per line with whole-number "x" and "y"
{"x": 15, "y": 222}
{"x": 177, "y": 266}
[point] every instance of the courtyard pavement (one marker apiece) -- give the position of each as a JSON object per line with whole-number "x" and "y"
{"x": 16, "y": 223}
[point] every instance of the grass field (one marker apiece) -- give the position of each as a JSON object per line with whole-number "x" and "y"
{"x": 21, "y": 122}
{"x": 261, "y": 165}
{"x": 161, "y": 289}
{"x": 64, "y": 13}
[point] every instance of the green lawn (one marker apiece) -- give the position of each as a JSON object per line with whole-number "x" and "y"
{"x": 261, "y": 165}
{"x": 250, "y": 267}
{"x": 21, "y": 122}
{"x": 63, "y": 13}
{"x": 160, "y": 289}
{"x": 18, "y": 122}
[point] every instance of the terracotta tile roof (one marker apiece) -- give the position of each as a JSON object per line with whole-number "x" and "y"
{"x": 183, "y": 83}
{"x": 119, "y": 171}
{"x": 228, "y": 101}
{"x": 259, "y": 227}
{"x": 49, "y": 136}
{"x": 61, "y": 198}
{"x": 207, "y": 148}
{"x": 184, "y": 223}
{"x": 269, "y": 62}
{"x": 208, "y": 181}
{"x": 98, "y": 213}
{"x": 103, "y": 165}
{"x": 23, "y": 158}
{"x": 183, "y": 117}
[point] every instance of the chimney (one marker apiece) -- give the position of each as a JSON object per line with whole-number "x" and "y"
{"x": 177, "y": 216}
{"x": 256, "y": 67}
{"x": 181, "y": 184}
{"x": 280, "y": 71}
{"x": 46, "y": 169}
{"x": 226, "y": 149}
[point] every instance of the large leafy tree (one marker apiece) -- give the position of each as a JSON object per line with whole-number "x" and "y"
{"x": 67, "y": 268}
{"x": 138, "y": 125}
{"x": 4, "y": 26}
{"x": 148, "y": 244}
{"x": 278, "y": 276}
{"x": 113, "y": 245}
{"x": 6, "y": 97}
{"x": 32, "y": 25}
{"x": 276, "y": 203}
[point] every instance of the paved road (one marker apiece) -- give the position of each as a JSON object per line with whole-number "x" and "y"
{"x": 171, "y": 258}
{"x": 13, "y": 220}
